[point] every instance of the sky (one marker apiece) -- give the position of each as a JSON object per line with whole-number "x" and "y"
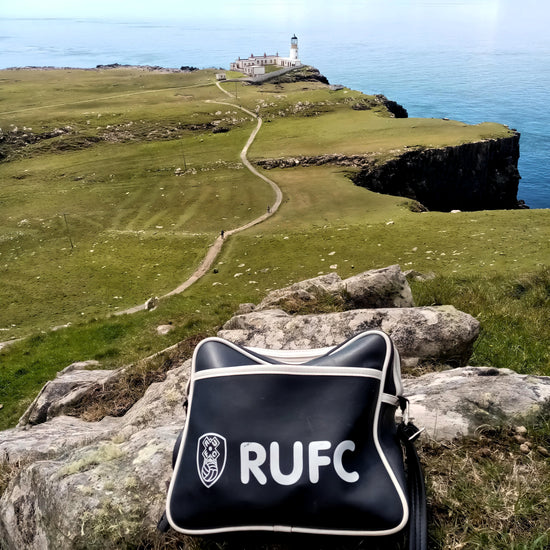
{"x": 156, "y": 8}
{"x": 504, "y": 14}
{"x": 163, "y": 8}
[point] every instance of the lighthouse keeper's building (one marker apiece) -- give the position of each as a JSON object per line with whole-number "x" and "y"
{"x": 256, "y": 64}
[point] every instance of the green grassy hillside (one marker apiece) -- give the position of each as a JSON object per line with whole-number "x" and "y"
{"x": 113, "y": 183}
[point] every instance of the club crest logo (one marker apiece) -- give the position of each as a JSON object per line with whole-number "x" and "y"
{"x": 211, "y": 456}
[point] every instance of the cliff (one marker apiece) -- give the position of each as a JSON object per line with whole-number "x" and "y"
{"x": 473, "y": 176}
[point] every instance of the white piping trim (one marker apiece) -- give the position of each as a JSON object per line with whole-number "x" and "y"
{"x": 391, "y": 474}
{"x": 287, "y": 529}
{"x": 298, "y": 370}
{"x": 390, "y": 399}
{"x": 294, "y": 356}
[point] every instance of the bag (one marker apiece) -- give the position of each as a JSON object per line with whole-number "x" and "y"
{"x": 297, "y": 441}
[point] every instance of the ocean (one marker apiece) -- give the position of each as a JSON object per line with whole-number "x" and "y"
{"x": 469, "y": 60}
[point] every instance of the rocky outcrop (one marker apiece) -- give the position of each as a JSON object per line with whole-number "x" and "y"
{"x": 78, "y": 484}
{"x": 304, "y": 73}
{"x": 336, "y": 159}
{"x": 379, "y": 288}
{"x": 92, "y": 485}
{"x": 70, "y": 385}
{"x": 394, "y": 109}
{"x": 473, "y": 176}
{"x": 427, "y": 334}
{"x": 456, "y": 402}
{"x": 397, "y": 110}
{"x": 14, "y": 138}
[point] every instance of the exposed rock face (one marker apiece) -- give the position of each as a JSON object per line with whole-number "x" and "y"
{"x": 387, "y": 287}
{"x": 398, "y": 111}
{"x": 455, "y": 402}
{"x": 66, "y": 389}
{"x": 440, "y": 333}
{"x": 379, "y": 288}
{"x": 92, "y": 485}
{"x": 472, "y": 176}
{"x": 305, "y": 73}
{"x": 336, "y": 159}
{"x": 103, "y": 484}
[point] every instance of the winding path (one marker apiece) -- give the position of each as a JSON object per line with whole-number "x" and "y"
{"x": 216, "y": 246}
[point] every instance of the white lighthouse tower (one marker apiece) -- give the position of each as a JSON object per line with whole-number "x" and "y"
{"x": 294, "y": 48}
{"x": 255, "y": 65}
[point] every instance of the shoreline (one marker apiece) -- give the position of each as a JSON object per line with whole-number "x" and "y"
{"x": 146, "y": 68}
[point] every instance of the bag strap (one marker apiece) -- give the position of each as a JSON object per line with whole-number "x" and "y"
{"x": 418, "y": 522}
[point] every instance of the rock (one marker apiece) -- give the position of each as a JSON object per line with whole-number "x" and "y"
{"x": 454, "y": 403}
{"x": 80, "y": 365}
{"x": 471, "y": 176}
{"x": 398, "y": 111}
{"x": 303, "y": 292}
{"x": 246, "y": 308}
{"x": 387, "y": 287}
{"x": 414, "y": 275}
{"x": 164, "y": 329}
{"x": 441, "y": 334}
{"x": 524, "y": 448}
{"x": 319, "y": 160}
{"x": 92, "y": 485}
{"x": 69, "y": 387}
{"x": 28, "y": 443}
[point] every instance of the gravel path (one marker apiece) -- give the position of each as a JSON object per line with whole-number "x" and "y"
{"x": 216, "y": 246}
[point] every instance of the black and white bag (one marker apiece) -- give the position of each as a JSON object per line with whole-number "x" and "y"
{"x": 297, "y": 441}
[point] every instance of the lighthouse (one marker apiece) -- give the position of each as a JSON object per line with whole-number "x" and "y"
{"x": 294, "y": 48}
{"x": 255, "y": 65}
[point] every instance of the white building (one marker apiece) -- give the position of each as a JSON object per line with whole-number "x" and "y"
{"x": 256, "y": 64}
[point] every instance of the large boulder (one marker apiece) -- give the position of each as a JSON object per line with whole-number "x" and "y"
{"x": 457, "y": 402}
{"x": 69, "y": 386}
{"x": 303, "y": 292}
{"x": 378, "y": 288}
{"x": 423, "y": 334}
{"x": 92, "y": 485}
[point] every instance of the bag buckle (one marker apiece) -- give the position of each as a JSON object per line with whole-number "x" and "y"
{"x": 409, "y": 430}
{"x": 404, "y": 406}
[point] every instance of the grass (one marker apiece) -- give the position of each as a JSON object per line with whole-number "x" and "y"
{"x": 138, "y": 229}
{"x": 350, "y": 132}
{"x": 517, "y": 307}
{"x": 486, "y": 493}
{"x": 97, "y": 219}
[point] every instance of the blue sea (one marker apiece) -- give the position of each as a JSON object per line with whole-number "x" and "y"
{"x": 469, "y": 60}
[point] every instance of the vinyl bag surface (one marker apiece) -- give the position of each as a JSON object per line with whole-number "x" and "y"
{"x": 295, "y": 441}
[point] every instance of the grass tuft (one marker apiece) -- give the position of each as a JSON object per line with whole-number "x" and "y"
{"x": 487, "y": 493}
